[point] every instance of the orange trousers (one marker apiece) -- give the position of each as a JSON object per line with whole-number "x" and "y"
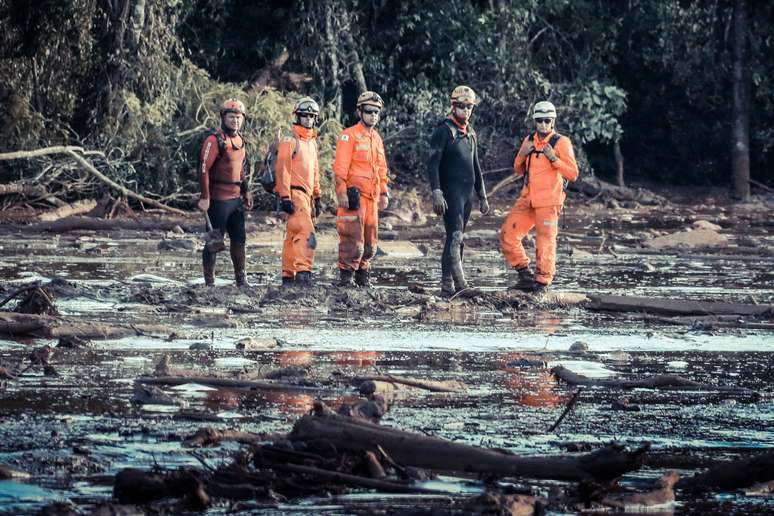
{"x": 522, "y": 218}
{"x": 358, "y": 235}
{"x": 300, "y": 240}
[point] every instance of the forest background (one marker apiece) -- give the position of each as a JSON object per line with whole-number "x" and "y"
{"x": 669, "y": 92}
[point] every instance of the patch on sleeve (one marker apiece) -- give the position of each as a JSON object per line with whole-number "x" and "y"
{"x": 344, "y": 137}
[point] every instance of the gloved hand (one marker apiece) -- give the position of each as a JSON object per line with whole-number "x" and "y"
{"x": 286, "y": 205}
{"x": 343, "y": 200}
{"x": 483, "y": 205}
{"x": 247, "y": 198}
{"x": 439, "y": 203}
{"x": 317, "y": 207}
{"x": 526, "y": 148}
{"x": 549, "y": 152}
{"x": 384, "y": 201}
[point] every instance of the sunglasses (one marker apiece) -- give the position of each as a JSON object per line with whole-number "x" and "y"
{"x": 543, "y": 120}
{"x": 371, "y": 111}
{"x": 307, "y": 115}
{"x": 466, "y": 107}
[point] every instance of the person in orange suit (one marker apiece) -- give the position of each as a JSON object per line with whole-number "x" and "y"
{"x": 225, "y": 193}
{"x": 361, "y": 191}
{"x": 298, "y": 186}
{"x": 546, "y": 159}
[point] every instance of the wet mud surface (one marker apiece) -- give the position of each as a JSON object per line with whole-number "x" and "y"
{"x": 73, "y": 430}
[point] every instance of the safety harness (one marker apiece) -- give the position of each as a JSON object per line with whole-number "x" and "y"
{"x": 221, "y": 151}
{"x": 551, "y": 141}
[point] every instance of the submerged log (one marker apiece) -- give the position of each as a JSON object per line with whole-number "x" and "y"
{"x": 49, "y": 327}
{"x": 664, "y": 381}
{"x": 731, "y": 475}
{"x": 76, "y": 223}
{"x": 675, "y": 306}
{"x": 428, "y": 385}
{"x": 229, "y": 382}
{"x": 423, "y": 451}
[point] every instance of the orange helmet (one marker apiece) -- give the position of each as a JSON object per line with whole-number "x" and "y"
{"x": 370, "y": 98}
{"x": 464, "y": 94}
{"x": 232, "y": 106}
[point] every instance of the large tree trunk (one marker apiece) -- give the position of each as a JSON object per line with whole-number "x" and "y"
{"x": 741, "y": 138}
{"x": 619, "y": 163}
{"x": 332, "y": 46}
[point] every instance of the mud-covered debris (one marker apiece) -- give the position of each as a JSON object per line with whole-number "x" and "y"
{"x": 151, "y": 395}
{"x": 7, "y": 472}
{"x": 200, "y": 346}
{"x": 257, "y": 344}
{"x": 72, "y": 342}
{"x": 293, "y": 371}
{"x": 579, "y": 347}
{"x": 625, "y": 405}
{"x": 691, "y": 239}
{"x": 503, "y": 504}
{"x": 176, "y": 245}
{"x": 663, "y": 493}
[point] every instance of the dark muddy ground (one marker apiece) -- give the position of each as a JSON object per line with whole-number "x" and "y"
{"x": 72, "y": 432}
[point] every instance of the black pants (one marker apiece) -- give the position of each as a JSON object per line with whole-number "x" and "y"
{"x": 229, "y": 217}
{"x": 455, "y": 220}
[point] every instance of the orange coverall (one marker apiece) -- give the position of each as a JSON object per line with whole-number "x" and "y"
{"x": 298, "y": 179}
{"x": 538, "y": 206}
{"x": 360, "y": 162}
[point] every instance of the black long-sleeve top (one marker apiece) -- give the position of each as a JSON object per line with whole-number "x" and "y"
{"x": 453, "y": 163}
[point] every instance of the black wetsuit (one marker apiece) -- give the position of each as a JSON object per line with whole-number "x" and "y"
{"x": 453, "y": 168}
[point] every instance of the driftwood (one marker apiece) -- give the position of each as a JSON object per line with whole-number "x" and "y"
{"x": 229, "y": 382}
{"x": 94, "y": 224}
{"x": 423, "y": 451}
{"x": 664, "y": 381}
{"x": 428, "y": 385}
{"x": 731, "y": 475}
{"x": 674, "y": 306}
{"x": 22, "y": 188}
{"x": 208, "y": 436}
{"x": 662, "y": 494}
{"x": 55, "y": 327}
{"x": 75, "y": 208}
{"x": 137, "y": 486}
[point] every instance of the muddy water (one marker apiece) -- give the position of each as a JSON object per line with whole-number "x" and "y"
{"x": 73, "y": 431}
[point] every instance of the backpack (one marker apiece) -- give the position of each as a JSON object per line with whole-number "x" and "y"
{"x": 268, "y": 177}
{"x": 552, "y": 142}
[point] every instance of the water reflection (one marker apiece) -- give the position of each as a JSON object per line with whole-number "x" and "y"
{"x": 530, "y": 386}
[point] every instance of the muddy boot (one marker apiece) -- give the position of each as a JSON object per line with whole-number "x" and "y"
{"x": 363, "y": 278}
{"x": 288, "y": 281}
{"x": 526, "y": 280}
{"x": 345, "y": 278}
{"x": 539, "y": 288}
{"x": 447, "y": 286}
{"x": 238, "y": 258}
{"x": 208, "y": 266}
{"x": 455, "y": 262}
{"x": 304, "y": 278}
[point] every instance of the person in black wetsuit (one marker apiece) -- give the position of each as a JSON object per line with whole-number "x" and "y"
{"x": 454, "y": 172}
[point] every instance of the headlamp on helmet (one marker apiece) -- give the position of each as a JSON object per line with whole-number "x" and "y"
{"x": 463, "y": 95}
{"x": 370, "y": 98}
{"x": 307, "y": 106}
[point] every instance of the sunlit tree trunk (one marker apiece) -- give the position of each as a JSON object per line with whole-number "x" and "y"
{"x": 741, "y": 132}
{"x": 332, "y": 44}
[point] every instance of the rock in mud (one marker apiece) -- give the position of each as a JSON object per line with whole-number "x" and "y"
{"x": 257, "y": 344}
{"x": 690, "y": 239}
{"x": 150, "y": 395}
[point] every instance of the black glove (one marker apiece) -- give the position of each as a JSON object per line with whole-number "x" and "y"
{"x": 353, "y": 195}
{"x": 317, "y": 207}
{"x": 286, "y": 205}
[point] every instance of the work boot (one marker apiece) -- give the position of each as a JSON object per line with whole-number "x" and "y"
{"x": 288, "y": 281}
{"x": 304, "y": 278}
{"x": 526, "y": 279}
{"x": 345, "y": 278}
{"x": 208, "y": 266}
{"x": 539, "y": 288}
{"x": 238, "y": 258}
{"x": 363, "y": 278}
{"x": 447, "y": 286}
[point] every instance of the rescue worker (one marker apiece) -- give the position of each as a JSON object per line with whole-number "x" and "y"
{"x": 361, "y": 191}
{"x": 454, "y": 172}
{"x": 546, "y": 159}
{"x": 298, "y": 186}
{"x": 224, "y": 190}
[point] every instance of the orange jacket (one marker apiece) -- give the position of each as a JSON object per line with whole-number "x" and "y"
{"x": 545, "y": 186}
{"x": 221, "y": 175}
{"x": 302, "y": 171}
{"x": 361, "y": 162}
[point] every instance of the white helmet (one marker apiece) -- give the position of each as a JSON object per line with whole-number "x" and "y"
{"x": 544, "y": 109}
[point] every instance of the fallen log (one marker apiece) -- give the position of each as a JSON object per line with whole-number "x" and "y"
{"x": 49, "y": 327}
{"x": 662, "y": 494}
{"x": 428, "y": 452}
{"x": 664, "y": 381}
{"x": 75, "y": 208}
{"x": 212, "y": 381}
{"x": 428, "y": 385}
{"x": 674, "y": 306}
{"x": 208, "y": 436}
{"x": 78, "y": 223}
{"x": 730, "y": 475}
